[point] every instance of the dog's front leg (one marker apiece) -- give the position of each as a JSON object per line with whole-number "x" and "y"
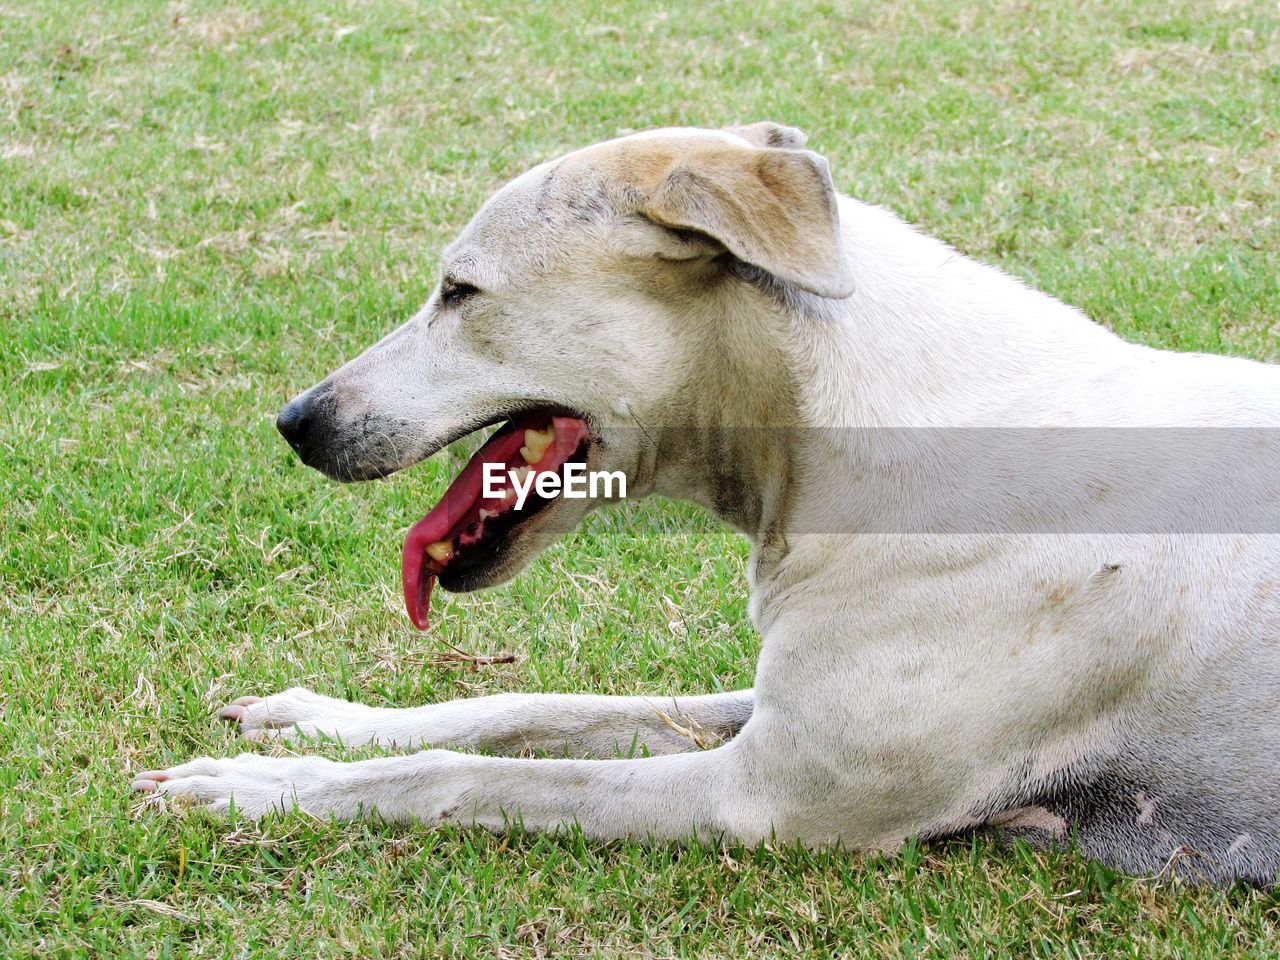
{"x": 705, "y": 794}
{"x": 575, "y": 725}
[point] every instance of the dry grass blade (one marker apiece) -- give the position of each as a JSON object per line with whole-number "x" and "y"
{"x": 456, "y": 657}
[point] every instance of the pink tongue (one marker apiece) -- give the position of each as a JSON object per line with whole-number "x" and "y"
{"x": 459, "y": 506}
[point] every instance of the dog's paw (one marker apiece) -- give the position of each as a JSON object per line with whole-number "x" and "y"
{"x": 424, "y": 786}
{"x": 298, "y": 713}
{"x": 254, "y": 784}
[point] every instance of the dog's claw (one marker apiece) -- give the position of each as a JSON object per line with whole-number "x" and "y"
{"x": 235, "y": 710}
{"x": 148, "y": 781}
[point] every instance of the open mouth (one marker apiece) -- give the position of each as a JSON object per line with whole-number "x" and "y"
{"x": 467, "y": 529}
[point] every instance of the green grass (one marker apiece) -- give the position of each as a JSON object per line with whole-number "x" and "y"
{"x": 205, "y": 208}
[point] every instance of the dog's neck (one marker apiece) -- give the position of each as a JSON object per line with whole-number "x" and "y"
{"x": 930, "y": 337}
{"x": 727, "y": 441}
{"x": 796, "y": 385}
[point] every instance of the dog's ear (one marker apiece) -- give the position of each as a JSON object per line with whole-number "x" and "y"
{"x": 766, "y": 133}
{"x": 774, "y": 209}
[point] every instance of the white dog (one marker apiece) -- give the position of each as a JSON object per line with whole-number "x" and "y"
{"x": 701, "y": 310}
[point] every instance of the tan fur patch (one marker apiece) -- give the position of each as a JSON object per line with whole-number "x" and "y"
{"x": 774, "y": 209}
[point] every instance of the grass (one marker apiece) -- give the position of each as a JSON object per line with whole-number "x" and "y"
{"x": 204, "y": 208}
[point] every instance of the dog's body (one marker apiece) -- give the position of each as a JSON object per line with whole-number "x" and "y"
{"x": 919, "y": 674}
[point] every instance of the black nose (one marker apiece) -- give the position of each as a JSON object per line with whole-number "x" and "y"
{"x": 295, "y": 421}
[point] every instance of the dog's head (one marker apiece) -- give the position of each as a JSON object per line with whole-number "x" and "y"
{"x": 592, "y": 304}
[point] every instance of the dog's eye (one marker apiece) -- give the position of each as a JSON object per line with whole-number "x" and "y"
{"x": 454, "y": 292}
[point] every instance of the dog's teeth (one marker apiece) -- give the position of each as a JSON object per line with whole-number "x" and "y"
{"x": 536, "y": 443}
{"x": 486, "y": 514}
{"x": 440, "y": 550}
{"x": 518, "y": 475}
{"x": 508, "y": 497}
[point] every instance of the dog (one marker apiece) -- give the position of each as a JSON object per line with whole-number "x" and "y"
{"x": 701, "y": 311}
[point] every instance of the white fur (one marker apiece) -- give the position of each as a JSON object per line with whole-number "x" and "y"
{"x": 908, "y": 683}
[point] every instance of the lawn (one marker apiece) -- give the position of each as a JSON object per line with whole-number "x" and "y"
{"x": 205, "y": 208}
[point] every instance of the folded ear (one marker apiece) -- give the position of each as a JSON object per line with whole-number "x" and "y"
{"x": 774, "y": 209}
{"x": 765, "y": 133}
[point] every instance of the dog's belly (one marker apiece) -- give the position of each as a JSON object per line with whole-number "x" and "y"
{"x": 1194, "y": 787}
{"x": 1148, "y": 820}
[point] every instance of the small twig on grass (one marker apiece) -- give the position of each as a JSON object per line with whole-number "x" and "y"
{"x": 454, "y": 657}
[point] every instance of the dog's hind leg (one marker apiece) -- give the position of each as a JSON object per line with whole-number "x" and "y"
{"x": 576, "y": 725}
